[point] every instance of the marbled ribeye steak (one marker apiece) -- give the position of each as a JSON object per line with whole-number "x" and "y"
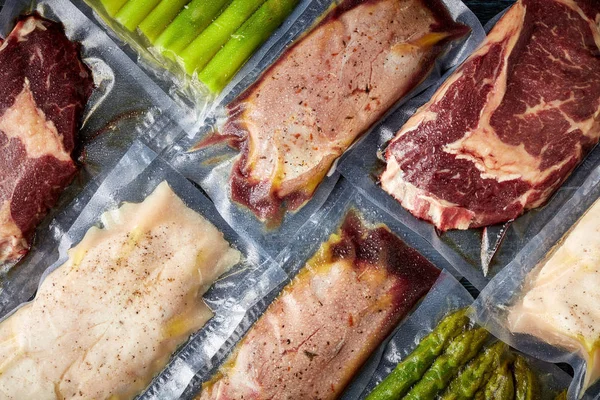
{"x": 509, "y": 126}
{"x": 44, "y": 88}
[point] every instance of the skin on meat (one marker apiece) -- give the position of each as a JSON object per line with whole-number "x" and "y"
{"x": 105, "y": 322}
{"x": 323, "y": 326}
{"x": 44, "y": 87}
{"x": 326, "y": 91}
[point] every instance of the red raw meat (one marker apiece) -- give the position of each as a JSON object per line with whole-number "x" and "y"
{"x": 509, "y": 126}
{"x": 44, "y": 89}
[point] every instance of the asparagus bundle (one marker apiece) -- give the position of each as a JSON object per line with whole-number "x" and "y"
{"x": 526, "y": 386}
{"x": 242, "y": 44}
{"x": 113, "y": 6}
{"x": 500, "y": 386}
{"x": 134, "y": 12}
{"x": 475, "y": 375}
{"x": 162, "y": 15}
{"x": 209, "y": 42}
{"x": 460, "y": 351}
{"x": 451, "y": 363}
{"x": 187, "y": 25}
{"x": 414, "y": 366}
{"x": 213, "y": 38}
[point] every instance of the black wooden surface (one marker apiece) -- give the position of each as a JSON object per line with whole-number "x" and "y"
{"x": 486, "y": 9}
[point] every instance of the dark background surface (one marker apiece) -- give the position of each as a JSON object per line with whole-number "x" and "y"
{"x": 486, "y": 9}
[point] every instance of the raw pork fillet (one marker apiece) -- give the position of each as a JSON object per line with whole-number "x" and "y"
{"x": 324, "y": 325}
{"x": 44, "y": 87}
{"x": 327, "y": 90}
{"x": 509, "y": 126}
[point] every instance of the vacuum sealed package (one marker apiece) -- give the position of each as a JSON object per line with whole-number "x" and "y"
{"x": 73, "y": 104}
{"x": 544, "y": 302}
{"x": 268, "y": 159}
{"x": 147, "y": 263}
{"x": 352, "y": 278}
{"x": 424, "y": 357}
{"x": 198, "y": 51}
{"x": 481, "y": 161}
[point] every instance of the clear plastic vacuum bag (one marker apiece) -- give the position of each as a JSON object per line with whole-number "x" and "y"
{"x": 124, "y": 105}
{"x": 477, "y": 253}
{"x": 138, "y": 174}
{"x": 319, "y": 234}
{"x": 217, "y": 156}
{"x": 446, "y": 297}
{"x": 514, "y": 299}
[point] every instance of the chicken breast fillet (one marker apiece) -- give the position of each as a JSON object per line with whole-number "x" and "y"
{"x": 105, "y": 322}
{"x": 560, "y": 300}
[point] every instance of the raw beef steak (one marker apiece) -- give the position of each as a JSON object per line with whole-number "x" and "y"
{"x": 44, "y": 87}
{"x": 509, "y": 126}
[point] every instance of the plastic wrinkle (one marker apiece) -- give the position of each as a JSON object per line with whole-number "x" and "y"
{"x": 507, "y": 287}
{"x": 212, "y": 167}
{"x": 478, "y": 254}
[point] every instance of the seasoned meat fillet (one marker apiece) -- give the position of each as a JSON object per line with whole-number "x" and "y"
{"x": 315, "y": 336}
{"x": 508, "y": 127}
{"x": 105, "y": 322}
{"x": 327, "y": 90}
{"x": 44, "y": 87}
{"x": 560, "y": 297}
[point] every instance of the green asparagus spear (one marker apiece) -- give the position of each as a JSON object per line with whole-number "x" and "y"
{"x": 501, "y": 385}
{"x": 475, "y": 374}
{"x": 134, "y": 12}
{"x": 155, "y": 23}
{"x": 112, "y": 6}
{"x": 242, "y": 44}
{"x": 561, "y": 396}
{"x": 209, "y": 42}
{"x": 460, "y": 351}
{"x": 414, "y": 366}
{"x": 525, "y": 381}
{"x": 187, "y": 25}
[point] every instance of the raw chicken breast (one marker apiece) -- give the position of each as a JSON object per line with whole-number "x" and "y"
{"x": 105, "y": 322}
